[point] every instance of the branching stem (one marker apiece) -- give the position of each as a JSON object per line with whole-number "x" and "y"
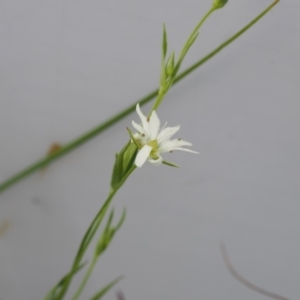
{"x": 100, "y": 128}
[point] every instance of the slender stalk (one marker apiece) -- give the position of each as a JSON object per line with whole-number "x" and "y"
{"x": 165, "y": 85}
{"x": 223, "y": 45}
{"x": 86, "y": 278}
{"x": 194, "y": 32}
{"x": 97, "y": 130}
{"x": 91, "y": 231}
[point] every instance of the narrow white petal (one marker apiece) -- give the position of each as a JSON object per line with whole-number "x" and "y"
{"x": 180, "y": 143}
{"x": 171, "y": 145}
{"x": 138, "y": 127}
{"x": 142, "y": 155}
{"x": 143, "y": 118}
{"x": 156, "y": 162}
{"x": 166, "y": 133}
{"x": 154, "y": 125}
{"x": 186, "y": 150}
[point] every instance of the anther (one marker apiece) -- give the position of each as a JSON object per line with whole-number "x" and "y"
{"x": 171, "y": 151}
{"x": 148, "y": 119}
{"x": 143, "y": 135}
{"x": 179, "y": 139}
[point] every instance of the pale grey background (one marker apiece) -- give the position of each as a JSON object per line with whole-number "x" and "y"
{"x": 68, "y": 65}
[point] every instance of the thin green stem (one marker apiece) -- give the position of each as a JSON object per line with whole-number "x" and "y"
{"x": 86, "y": 277}
{"x": 97, "y": 130}
{"x": 194, "y": 32}
{"x": 223, "y": 45}
{"x": 91, "y": 231}
{"x": 165, "y": 85}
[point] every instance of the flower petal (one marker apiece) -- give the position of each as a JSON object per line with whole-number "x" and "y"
{"x": 171, "y": 145}
{"x": 138, "y": 127}
{"x": 142, "y": 155}
{"x": 156, "y": 162}
{"x": 154, "y": 125}
{"x": 166, "y": 133}
{"x": 180, "y": 143}
{"x": 186, "y": 150}
{"x": 168, "y": 145}
{"x": 144, "y": 120}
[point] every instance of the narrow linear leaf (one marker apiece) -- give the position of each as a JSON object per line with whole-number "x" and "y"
{"x": 170, "y": 164}
{"x": 110, "y": 218}
{"x": 192, "y": 40}
{"x": 163, "y": 75}
{"x": 91, "y": 231}
{"x": 52, "y": 293}
{"x": 184, "y": 52}
{"x": 122, "y": 219}
{"x": 101, "y": 293}
{"x": 165, "y": 41}
{"x": 108, "y": 233}
{"x": 104, "y": 238}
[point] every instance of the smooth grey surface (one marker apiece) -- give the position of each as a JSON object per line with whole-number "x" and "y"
{"x": 68, "y": 65}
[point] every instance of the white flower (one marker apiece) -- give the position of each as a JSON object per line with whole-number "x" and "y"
{"x": 152, "y": 141}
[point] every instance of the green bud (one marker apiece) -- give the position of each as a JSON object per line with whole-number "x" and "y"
{"x": 124, "y": 161}
{"x": 219, "y": 3}
{"x": 170, "y": 65}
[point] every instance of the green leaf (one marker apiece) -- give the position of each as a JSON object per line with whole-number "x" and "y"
{"x": 113, "y": 230}
{"x": 184, "y": 52}
{"x": 163, "y": 75}
{"x": 104, "y": 238}
{"x": 108, "y": 233}
{"x": 170, "y": 164}
{"x": 101, "y": 293}
{"x": 165, "y": 41}
{"x": 121, "y": 220}
{"x": 110, "y": 218}
{"x": 53, "y": 292}
{"x": 191, "y": 41}
{"x": 91, "y": 232}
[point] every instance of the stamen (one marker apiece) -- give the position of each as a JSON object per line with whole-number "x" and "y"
{"x": 143, "y": 135}
{"x": 179, "y": 139}
{"x": 171, "y": 151}
{"x": 148, "y": 119}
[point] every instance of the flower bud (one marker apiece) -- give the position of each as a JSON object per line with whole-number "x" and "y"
{"x": 170, "y": 65}
{"x": 219, "y": 3}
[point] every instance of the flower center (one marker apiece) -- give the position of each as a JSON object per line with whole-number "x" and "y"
{"x": 154, "y": 146}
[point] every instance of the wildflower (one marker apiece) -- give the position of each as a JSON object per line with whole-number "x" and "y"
{"x": 152, "y": 141}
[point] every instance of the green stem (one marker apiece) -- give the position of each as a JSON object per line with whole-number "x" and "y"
{"x": 91, "y": 231}
{"x": 97, "y": 130}
{"x": 223, "y": 45}
{"x": 194, "y": 32}
{"x": 163, "y": 89}
{"x": 86, "y": 277}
